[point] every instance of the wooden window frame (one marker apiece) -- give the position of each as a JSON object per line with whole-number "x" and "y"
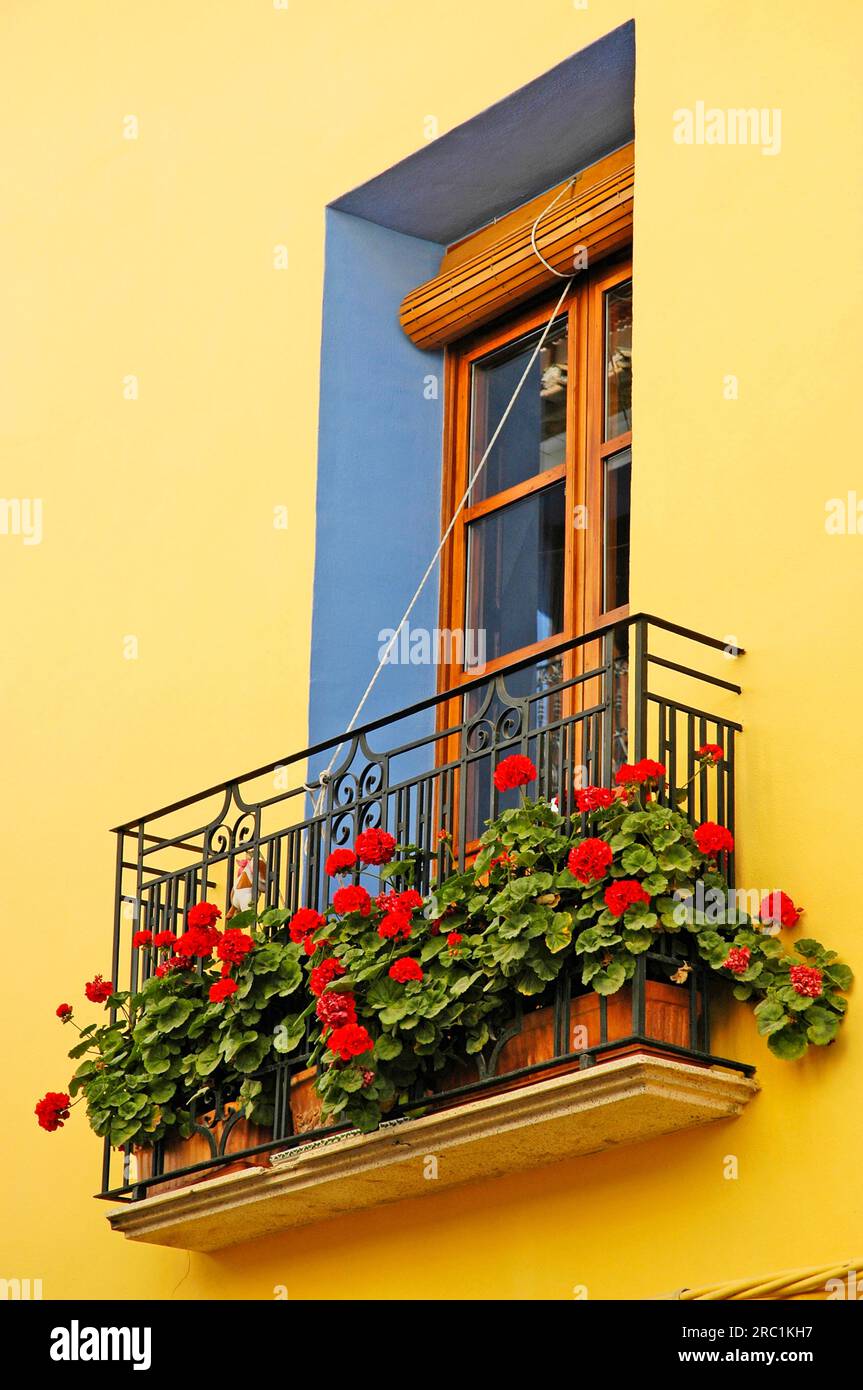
{"x": 583, "y": 470}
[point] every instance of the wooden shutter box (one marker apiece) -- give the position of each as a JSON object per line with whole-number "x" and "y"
{"x": 503, "y": 271}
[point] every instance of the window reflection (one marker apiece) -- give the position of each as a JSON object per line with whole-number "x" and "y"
{"x": 618, "y": 361}
{"x": 533, "y": 439}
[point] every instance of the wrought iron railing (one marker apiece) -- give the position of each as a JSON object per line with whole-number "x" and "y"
{"x": 579, "y": 711}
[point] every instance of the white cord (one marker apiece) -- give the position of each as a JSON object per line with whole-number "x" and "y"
{"x": 325, "y": 776}
{"x": 561, "y": 274}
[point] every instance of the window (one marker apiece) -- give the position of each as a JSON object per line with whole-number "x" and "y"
{"x": 540, "y": 552}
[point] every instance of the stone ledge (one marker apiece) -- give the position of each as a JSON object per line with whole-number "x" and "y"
{"x": 625, "y": 1101}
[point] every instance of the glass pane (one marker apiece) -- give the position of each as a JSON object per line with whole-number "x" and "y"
{"x": 534, "y": 436}
{"x": 618, "y": 361}
{"x": 515, "y": 572}
{"x": 616, "y": 489}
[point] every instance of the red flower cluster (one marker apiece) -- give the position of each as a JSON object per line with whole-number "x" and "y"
{"x": 197, "y": 941}
{"x": 807, "y": 980}
{"x": 304, "y": 923}
{"x": 454, "y": 940}
{"x": 234, "y": 946}
{"x": 589, "y": 860}
{"x": 142, "y": 938}
{"x": 780, "y": 910}
{"x": 405, "y": 969}
{"x": 335, "y": 1010}
{"x": 339, "y": 862}
{"x": 594, "y": 798}
{"x": 505, "y": 859}
{"x": 711, "y": 753}
{"x": 202, "y": 915}
{"x": 405, "y": 902}
{"x": 375, "y": 846}
{"x": 164, "y": 938}
{"x": 622, "y": 894}
{"x": 712, "y": 839}
{"x": 64, "y": 1012}
{"x": 737, "y": 960}
{"x": 52, "y": 1110}
{"x": 98, "y": 990}
{"x": 222, "y": 990}
{"x": 514, "y": 771}
{"x": 324, "y": 974}
{"x": 645, "y": 770}
{"x": 395, "y": 924}
{"x": 175, "y": 963}
{"x": 352, "y": 899}
{"x": 352, "y": 1040}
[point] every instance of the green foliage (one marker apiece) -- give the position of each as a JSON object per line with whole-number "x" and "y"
{"x": 520, "y": 918}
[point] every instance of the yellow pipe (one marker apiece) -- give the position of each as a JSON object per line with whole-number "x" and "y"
{"x": 786, "y": 1281}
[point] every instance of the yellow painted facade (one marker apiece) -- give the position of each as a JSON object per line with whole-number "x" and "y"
{"x": 153, "y": 258}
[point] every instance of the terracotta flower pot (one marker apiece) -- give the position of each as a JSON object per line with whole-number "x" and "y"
{"x": 181, "y": 1153}
{"x": 306, "y": 1104}
{"x": 666, "y": 1019}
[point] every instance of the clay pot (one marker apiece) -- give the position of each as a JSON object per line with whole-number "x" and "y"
{"x": 666, "y": 1019}
{"x": 306, "y": 1104}
{"x": 181, "y": 1153}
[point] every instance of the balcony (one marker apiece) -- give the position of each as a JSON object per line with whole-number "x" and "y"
{"x": 573, "y": 1072}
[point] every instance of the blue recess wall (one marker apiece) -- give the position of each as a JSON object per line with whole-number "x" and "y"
{"x": 379, "y": 473}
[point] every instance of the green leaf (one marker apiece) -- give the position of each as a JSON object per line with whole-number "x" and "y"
{"x": 788, "y": 1043}
{"x": 610, "y": 979}
{"x": 638, "y": 860}
{"x": 822, "y": 1025}
{"x": 559, "y": 933}
{"x": 387, "y": 1047}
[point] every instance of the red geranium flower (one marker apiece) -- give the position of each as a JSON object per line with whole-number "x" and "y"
{"x": 375, "y": 846}
{"x": 234, "y": 946}
{"x": 645, "y": 770}
{"x": 52, "y": 1110}
{"x": 405, "y": 969}
{"x": 352, "y": 1040}
{"x": 780, "y": 910}
{"x": 142, "y": 938}
{"x": 352, "y": 899}
{"x": 197, "y": 941}
{"x": 807, "y": 980}
{"x": 324, "y": 974}
{"x": 310, "y": 946}
{"x": 222, "y": 990}
{"x": 303, "y": 922}
{"x": 594, "y": 798}
{"x": 737, "y": 960}
{"x": 453, "y": 940}
{"x": 589, "y": 860}
{"x": 622, "y": 894}
{"x": 514, "y": 771}
{"x": 164, "y": 938}
{"x": 203, "y": 915}
{"x": 712, "y": 838}
{"x": 711, "y": 753}
{"x": 335, "y": 1010}
{"x": 98, "y": 990}
{"x": 175, "y": 963}
{"x": 339, "y": 862}
{"x": 368, "y": 1077}
{"x": 395, "y": 924}
{"x": 64, "y": 1012}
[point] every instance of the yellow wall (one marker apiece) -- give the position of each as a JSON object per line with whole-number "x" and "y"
{"x": 154, "y": 257}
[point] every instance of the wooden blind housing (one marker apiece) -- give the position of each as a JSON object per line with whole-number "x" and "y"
{"x": 496, "y": 269}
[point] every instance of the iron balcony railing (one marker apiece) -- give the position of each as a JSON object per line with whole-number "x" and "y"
{"x": 631, "y": 689}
